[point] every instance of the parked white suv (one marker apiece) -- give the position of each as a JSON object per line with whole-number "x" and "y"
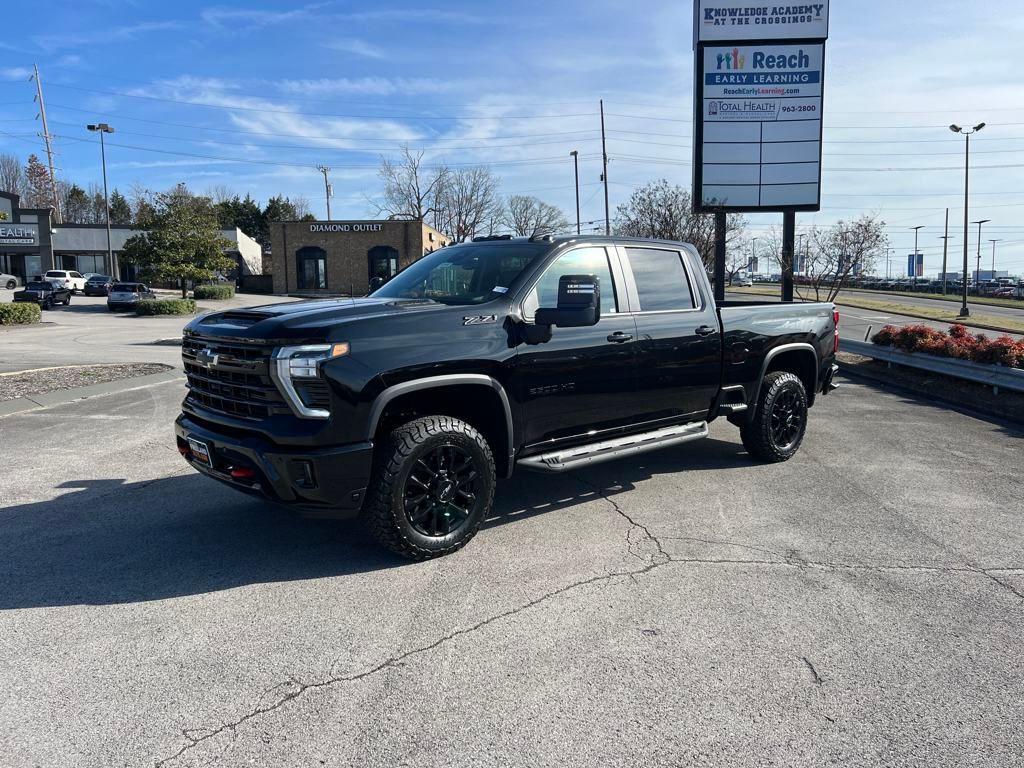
{"x": 73, "y": 280}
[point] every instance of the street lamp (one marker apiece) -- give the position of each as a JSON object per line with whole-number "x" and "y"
{"x": 916, "y": 230}
{"x": 967, "y": 133}
{"x": 993, "y": 258}
{"x": 576, "y": 164}
{"x": 977, "y": 269}
{"x": 102, "y": 128}
{"x": 753, "y": 254}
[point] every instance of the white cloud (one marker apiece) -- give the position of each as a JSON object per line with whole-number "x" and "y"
{"x": 248, "y": 19}
{"x": 54, "y": 42}
{"x": 356, "y": 47}
{"x": 15, "y": 73}
{"x": 367, "y": 86}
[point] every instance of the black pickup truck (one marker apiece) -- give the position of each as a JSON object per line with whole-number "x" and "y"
{"x": 45, "y": 293}
{"x": 546, "y": 353}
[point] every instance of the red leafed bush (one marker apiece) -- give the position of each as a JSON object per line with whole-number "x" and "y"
{"x": 957, "y": 343}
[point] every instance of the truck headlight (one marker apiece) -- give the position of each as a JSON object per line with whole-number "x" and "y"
{"x": 302, "y": 363}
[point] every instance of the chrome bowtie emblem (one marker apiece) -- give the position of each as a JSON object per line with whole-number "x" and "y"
{"x": 207, "y": 357}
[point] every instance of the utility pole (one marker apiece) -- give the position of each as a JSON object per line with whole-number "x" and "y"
{"x": 327, "y": 187}
{"x": 753, "y": 255}
{"x": 576, "y": 163}
{"x": 46, "y": 138}
{"x": 604, "y": 175}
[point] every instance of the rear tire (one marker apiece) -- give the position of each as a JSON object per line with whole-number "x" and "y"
{"x": 432, "y": 487}
{"x": 67, "y": 301}
{"x": 779, "y": 424}
{"x": 11, "y": 285}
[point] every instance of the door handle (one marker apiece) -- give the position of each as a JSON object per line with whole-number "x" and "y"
{"x": 620, "y": 338}
{"x": 706, "y": 330}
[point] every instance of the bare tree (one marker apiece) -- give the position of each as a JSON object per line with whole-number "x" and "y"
{"x": 837, "y": 252}
{"x": 468, "y": 202}
{"x": 529, "y": 216}
{"x": 411, "y": 191}
{"x": 664, "y": 211}
{"x": 219, "y": 193}
{"x": 12, "y": 175}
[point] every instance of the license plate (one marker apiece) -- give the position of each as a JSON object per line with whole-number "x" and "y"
{"x": 200, "y": 451}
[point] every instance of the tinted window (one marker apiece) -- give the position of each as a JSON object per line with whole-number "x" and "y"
{"x": 579, "y": 261}
{"x": 124, "y": 288}
{"x": 76, "y": 274}
{"x": 661, "y": 281}
{"x": 99, "y": 279}
{"x": 54, "y": 273}
{"x": 37, "y": 286}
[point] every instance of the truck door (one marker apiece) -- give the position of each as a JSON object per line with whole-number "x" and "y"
{"x": 679, "y": 345}
{"x": 583, "y": 381}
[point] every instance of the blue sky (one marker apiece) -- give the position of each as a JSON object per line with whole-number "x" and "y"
{"x": 254, "y": 95}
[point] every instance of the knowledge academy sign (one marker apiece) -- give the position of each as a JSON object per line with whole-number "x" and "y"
{"x": 719, "y": 20}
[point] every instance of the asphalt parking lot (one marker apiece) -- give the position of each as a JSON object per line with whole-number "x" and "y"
{"x": 860, "y": 605}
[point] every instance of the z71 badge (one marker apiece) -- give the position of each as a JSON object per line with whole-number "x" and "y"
{"x": 479, "y": 319}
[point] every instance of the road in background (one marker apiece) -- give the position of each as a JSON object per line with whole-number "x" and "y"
{"x": 855, "y": 323}
{"x": 861, "y": 604}
{"x": 86, "y": 332}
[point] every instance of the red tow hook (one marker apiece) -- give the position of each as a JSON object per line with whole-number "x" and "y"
{"x": 243, "y": 473}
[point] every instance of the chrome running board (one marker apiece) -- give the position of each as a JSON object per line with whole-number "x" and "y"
{"x": 571, "y": 458}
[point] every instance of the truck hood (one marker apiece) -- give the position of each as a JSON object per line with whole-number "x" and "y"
{"x": 310, "y": 319}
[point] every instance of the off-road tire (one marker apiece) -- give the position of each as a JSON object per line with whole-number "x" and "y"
{"x": 759, "y": 438}
{"x": 384, "y": 512}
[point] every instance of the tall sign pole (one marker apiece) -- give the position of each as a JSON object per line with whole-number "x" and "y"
{"x": 759, "y": 73}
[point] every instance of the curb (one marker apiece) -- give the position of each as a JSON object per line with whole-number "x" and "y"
{"x": 65, "y": 396}
{"x": 967, "y": 322}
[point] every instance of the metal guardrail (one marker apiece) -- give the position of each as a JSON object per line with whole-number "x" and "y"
{"x": 996, "y": 376}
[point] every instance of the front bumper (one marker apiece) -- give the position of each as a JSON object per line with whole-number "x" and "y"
{"x": 323, "y": 483}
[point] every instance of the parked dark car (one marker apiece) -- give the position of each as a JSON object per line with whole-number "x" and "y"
{"x": 45, "y": 293}
{"x": 124, "y": 296}
{"x": 98, "y": 285}
{"x": 545, "y": 353}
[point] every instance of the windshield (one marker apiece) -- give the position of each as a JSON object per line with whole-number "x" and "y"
{"x": 99, "y": 278}
{"x": 122, "y": 288}
{"x": 463, "y": 274}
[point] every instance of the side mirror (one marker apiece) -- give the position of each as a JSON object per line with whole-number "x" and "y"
{"x": 579, "y": 303}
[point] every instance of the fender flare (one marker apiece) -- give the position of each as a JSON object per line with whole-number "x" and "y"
{"x": 435, "y": 382}
{"x": 773, "y": 353}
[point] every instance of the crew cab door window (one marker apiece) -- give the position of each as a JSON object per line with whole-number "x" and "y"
{"x": 579, "y": 261}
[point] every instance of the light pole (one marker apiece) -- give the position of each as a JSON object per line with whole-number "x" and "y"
{"x": 945, "y": 251}
{"x": 977, "y": 269}
{"x": 102, "y": 128}
{"x": 993, "y": 258}
{"x": 916, "y": 229}
{"x": 753, "y": 254}
{"x": 576, "y": 164}
{"x": 800, "y": 244}
{"x": 888, "y": 257}
{"x": 967, "y": 133}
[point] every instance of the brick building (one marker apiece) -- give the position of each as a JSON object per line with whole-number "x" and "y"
{"x": 340, "y": 257}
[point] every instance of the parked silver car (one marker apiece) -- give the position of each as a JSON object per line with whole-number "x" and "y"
{"x": 10, "y": 282}
{"x": 127, "y": 295}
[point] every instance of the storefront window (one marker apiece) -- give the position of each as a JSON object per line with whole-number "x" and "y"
{"x": 383, "y": 264}
{"x": 311, "y": 268}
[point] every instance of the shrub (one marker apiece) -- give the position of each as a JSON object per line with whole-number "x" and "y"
{"x": 219, "y": 291}
{"x": 958, "y": 343}
{"x": 19, "y": 314}
{"x": 166, "y": 307}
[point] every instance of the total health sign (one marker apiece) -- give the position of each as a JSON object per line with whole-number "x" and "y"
{"x": 758, "y": 106}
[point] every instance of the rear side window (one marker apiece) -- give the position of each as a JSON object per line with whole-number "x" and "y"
{"x": 661, "y": 281}
{"x": 55, "y": 273}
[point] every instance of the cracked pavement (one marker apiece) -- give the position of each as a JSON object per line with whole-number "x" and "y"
{"x": 860, "y": 605}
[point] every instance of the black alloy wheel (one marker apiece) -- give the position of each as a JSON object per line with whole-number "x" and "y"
{"x": 441, "y": 491}
{"x": 432, "y": 487}
{"x": 787, "y": 418}
{"x": 776, "y": 429}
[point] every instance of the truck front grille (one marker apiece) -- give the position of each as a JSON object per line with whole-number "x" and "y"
{"x": 231, "y": 378}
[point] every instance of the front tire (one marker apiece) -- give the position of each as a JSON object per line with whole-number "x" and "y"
{"x": 11, "y": 285}
{"x": 432, "y": 487}
{"x": 67, "y": 301}
{"x": 778, "y": 426}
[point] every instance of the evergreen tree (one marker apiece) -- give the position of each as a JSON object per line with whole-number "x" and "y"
{"x": 39, "y": 190}
{"x": 120, "y": 211}
{"x": 77, "y": 207}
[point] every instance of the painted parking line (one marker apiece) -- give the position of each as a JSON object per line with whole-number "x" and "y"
{"x": 875, "y": 318}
